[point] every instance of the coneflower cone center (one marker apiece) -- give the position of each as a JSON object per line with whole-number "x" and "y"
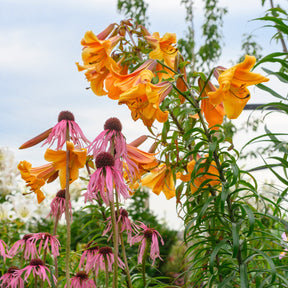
{"x": 92, "y": 246}
{"x": 61, "y": 193}
{"x": 36, "y": 262}
{"x": 27, "y": 237}
{"x": 105, "y": 250}
{"x": 148, "y": 233}
{"x": 82, "y": 275}
{"x": 104, "y": 159}
{"x": 124, "y": 213}
{"x": 12, "y": 269}
{"x": 66, "y": 115}
{"x": 113, "y": 124}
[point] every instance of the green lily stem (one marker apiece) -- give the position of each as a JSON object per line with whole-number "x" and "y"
{"x": 67, "y": 212}
{"x": 146, "y": 250}
{"x": 115, "y": 243}
{"x": 222, "y": 177}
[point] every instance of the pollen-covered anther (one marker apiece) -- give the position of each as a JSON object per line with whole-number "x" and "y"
{"x": 148, "y": 233}
{"x": 61, "y": 193}
{"x": 105, "y": 250}
{"x": 66, "y": 115}
{"x": 113, "y": 124}
{"x": 36, "y": 262}
{"x": 104, "y": 159}
{"x": 82, "y": 275}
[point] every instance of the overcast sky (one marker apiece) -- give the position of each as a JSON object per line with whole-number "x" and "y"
{"x": 40, "y": 43}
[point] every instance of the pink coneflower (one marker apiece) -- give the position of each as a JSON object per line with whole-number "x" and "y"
{"x": 146, "y": 236}
{"x": 12, "y": 279}
{"x": 90, "y": 252}
{"x": 284, "y": 237}
{"x": 37, "y": 267}
{"x": 25, "y": 245}
{"x": 58, "y": 205}
{"x": 3, "y": 249}
{"x": 112, "y": 135}
{"x": 44, "y": 240}
{"x": 126, "y": 224}
{"x": 105, "y": 178}
{"x": 81, "y": 280}
{"x": 104, "y": 254}
{"x": 58, "y": 132}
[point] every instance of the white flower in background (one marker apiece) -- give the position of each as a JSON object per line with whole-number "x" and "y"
{"x": 8, "y": 171}
{"x": 6, "y": 211}
{"x": 23, "y": 206}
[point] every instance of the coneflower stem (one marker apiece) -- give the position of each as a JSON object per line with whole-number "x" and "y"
{"x": 106, "y": 273}
{"x": 54, "y": 233}
{"x": 67, "y": 212}
{"x": 115, "y": 243}
{"x": 35, "y": 281}
{"x": 145, "y": 254}
{"x": 125, "y": 258}
{"x": 44, "y": 261}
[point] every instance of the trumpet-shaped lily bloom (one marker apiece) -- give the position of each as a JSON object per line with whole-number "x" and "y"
{"x": 11, "y": 279}
{"x": 214, "y": 114}
{"x": 163, "y": 48}
{"x": 233, "y": 84}
{"x": 36, "y": 177}
{"x": 144, "y": 99}
{"x": 77, "y": 160}
{"x": 160, "y": 179}
{"x": 210, "y": 176}
{"x": 148, "y": 236}
{"x": 97, "y": 52}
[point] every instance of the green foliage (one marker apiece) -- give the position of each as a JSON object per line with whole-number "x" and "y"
{"x": 134, "y": 9}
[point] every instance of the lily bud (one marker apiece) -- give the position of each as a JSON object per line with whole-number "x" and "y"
{"x": 34, "y": 141}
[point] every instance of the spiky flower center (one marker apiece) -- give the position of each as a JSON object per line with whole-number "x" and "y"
{"x": 113, "y": 124}
{"x": 36, "y": 262}
{"x": 123, "y": 213}
{"x": 12, "y": 269}
{"x": 66, "y": 115}
{"x": 104, "y": 159}
{"x": 26, "y": 237}
{"x": 92, "y": 246}
{"x": 148, "y": 233}
{"x": 61, "y": 193}
{"x": 105, "y": 250}
{"x": 82, "y": 275}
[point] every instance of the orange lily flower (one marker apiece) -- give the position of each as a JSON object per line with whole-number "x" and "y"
{"x": 97, "y": 52}
{"x": 160, "y": 179}
{"x": 233, "y": 84}
{"x": 202, "y": 175}
{"x": 36, "y": 177}
{"x": 144, "y": 99}
{"x": 77, "y": 160}
{"x": 163, "y": 48}
{"x": 214, "y": 114}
